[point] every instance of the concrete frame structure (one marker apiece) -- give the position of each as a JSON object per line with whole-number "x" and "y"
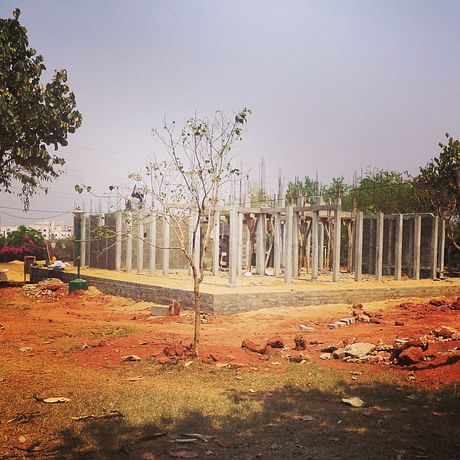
{"x": 291, "y": 241}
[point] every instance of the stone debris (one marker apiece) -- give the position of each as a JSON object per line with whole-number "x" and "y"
{"x": 325, "y": 356}
{"x": 300, "y": 343}
{"x": 446, "y": 332}
{"x": 437, "y": 302}
{"x": 252, "y": 346}
{"x": 309, "y": 329}
{"x": 411, "y": 355}
{"x": 174, "y": 308}
{"x": 275, "y": 342}
{"x": 49, "y": 289}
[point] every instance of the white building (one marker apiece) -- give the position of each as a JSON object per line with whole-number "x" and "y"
{"x": 49, "y": 230}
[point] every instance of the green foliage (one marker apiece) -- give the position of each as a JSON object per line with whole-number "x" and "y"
{"x": 384, "y": 191}
{"x": 16, "y": 237}
{"x": 378, "y": 191}
{"x": 308, "y": 188}
{"x": 437, "y": 187}
{"x": 32, "y": 116}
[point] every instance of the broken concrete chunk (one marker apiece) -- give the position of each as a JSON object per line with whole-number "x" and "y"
{"x": 411, "y": 355}
{"x": 304, "y": 328}
{"x": 358, "y": 350}
{"x": 445, "y": 332}
{"x": 275, "y": 342}
{"x": 256, "y": 348}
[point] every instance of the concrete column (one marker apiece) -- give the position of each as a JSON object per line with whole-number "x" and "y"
{"x": 442, "y": 246}
{"x": 320, "y": 246}
{"x": 215, "y": 245}
{"x": 288, "y": 245}
{"x": 295, "y": 244}
{"x": 390, "y": 244}
{"x": 358, "y": 256}
{"x": 398, "y": 246}
{"x": 239, "y": 266}
{"x": 337, "y": 240}
{"x": 314, "y": 244}
{"x": 129, "y": 241}
{"x": 308, "y": 248}
{"x": 152, "y": 243}
{"x": 83, "y": 242}
{"x": 260, "y": 245}
{"x": 166, "y": 246}
{"x": 417, "y": 244}
{"x": 371, "y": 249}
{"x": 233, "y": 246}
{"x": 140, "y": 242}
{"x": 379, "y": 245}
{"x": 277, "y": 245}
{"x": 434, "y": 247}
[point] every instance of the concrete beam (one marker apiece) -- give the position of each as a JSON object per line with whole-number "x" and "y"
{"x": 166, "y": 230}
{"x": 215, "y": 245}
{"x": 434, "y": 246}
{"x": 398, "y": 246}
{"x": 140, "y": 242}
{"x": 277, "y": 245}
{"x": 260, "y": 245}
{"x": 314, "y": 244}
{"x": 288, "y": 245}
{"x": 358, "y": 256}
{"x": 129, "y": 241}
{"x": 337, "y": 241}
{"x": 379, "y": 246}
{"x": 152, "y": 243}
{"x": 417, "y": 245}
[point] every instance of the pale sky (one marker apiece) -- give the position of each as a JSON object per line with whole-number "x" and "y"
{"x": 334, "y": 86}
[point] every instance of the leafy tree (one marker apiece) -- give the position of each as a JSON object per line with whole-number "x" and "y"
{"x": 338, "y": 188}
{"x": 21, "y": 242}
{"x": 384, "y": 191}
{"x": 308, "y": 188}
{"x": 437, "y": 187}
{"x": 33, "y": 117}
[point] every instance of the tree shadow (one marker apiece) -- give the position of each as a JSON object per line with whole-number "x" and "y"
{"x": 289, "y": 423}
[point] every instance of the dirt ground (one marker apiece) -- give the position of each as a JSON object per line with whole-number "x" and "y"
{"x": 129, "y": 377}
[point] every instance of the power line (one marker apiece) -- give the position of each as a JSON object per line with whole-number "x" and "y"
{"x": 33, "y": 210}
{"x": 34, "y": 218}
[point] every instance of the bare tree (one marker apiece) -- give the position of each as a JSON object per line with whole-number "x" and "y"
{"x": 187, "y": 186}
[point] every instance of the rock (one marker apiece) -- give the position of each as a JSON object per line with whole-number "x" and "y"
{"x": 251, "y": 346}
{"x": 411, "y": 355}
{"x": 300, "y": 343}
{"x": 446, "y": 332}
{"x": 329, "y": 349}
{"x": 296, "y": 359}
{"x": 304, "y": 328}
{"x": 363, "y": 317}
{"x": 275, "y": 342}
{"x": 174, "y": 308}
{"x": 455, "y": 305}
{"x": 353, "y": 401}
{"x": 174, "y": 350}
{"x": 399, "y": 323}
{"x": 339, "y": 353}
{"x": 325, "y": 356}
{"x": 358, "y": 350}
{"x": 437, "y": 302}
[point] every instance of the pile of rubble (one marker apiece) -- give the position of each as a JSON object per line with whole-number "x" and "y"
{"x": 48, "y": 289}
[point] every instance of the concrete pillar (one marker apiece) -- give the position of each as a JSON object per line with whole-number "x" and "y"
{"x": 308, "y": 248}
{"x": 129, "y": 241}
{"x": 215, "y": 246}
{"x": 295, "y": 244}
{"x": 434, "y": 247}
{"x": 337, "y": 240}
{"x": 398, "y": 246}
{"x": 314, "y": 244}
{"x": 288, "y": 245}
{"x": 417, "y": 245}
{"x": 358, "y": 256}
{"x": 152, "y": 243}
{"x": 389, "y": 252}
{"x": 239, "y": 266}
{"x": 277, "y": 245}
{"x": 260, "y": 245}
{"x": 166, "y": 245}
{"x": 442, "y": 246}
{"x": 233, "y": 246}
{"x": 83, "y": 241}
{"x": 197, "y": 255}
{"x": 140, "y": 242}
{"x": 320, "y": 246}
{"x": 379, "y": 245}
{"x": 371, "y": 249}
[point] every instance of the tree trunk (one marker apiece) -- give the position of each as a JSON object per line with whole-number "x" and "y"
{"x": 196, "y": 336}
